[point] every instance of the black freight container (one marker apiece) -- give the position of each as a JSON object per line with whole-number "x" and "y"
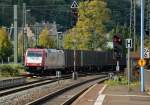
{"x": 69, "y": 58}
{"x": 92, "y": 58}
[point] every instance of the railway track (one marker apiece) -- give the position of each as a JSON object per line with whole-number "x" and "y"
{"x": 67, "y": 95}
{"x": 26, "y": 83}
{"x": 24, "y": 96}
{"x": 45, "y": 78}
{"x": 29, "y": 85}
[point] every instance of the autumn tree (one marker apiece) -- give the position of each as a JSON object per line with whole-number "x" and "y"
{"x": 24, "y": 41}
{"x": 45, "y": 38}
{"x": 20, "y": 45}
{"x": 6, "y": 47}
{"x": 90, "y": 28}
{"x": 31, "y": 42}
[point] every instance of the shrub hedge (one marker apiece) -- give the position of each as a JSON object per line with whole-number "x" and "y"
{"x": 11, "y": 69}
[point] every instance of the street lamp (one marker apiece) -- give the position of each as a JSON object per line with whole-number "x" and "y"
{"x": 59, "y": 36}
{"x": 25, "y": 14}
{"x": 25, "y": 38}
{"x": 25, "y": 30}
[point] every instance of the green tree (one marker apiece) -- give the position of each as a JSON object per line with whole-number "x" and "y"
{"x": 90, "y": 28}
{"x": 45, "y": 39}
{"x": 6, "y": 46}
{"x": 147, "y": 42}
{"x": 120, "y": 10}
{"x": 124, "y": 31}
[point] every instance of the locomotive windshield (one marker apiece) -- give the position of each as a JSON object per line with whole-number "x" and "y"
{"x": 34, "y": 54}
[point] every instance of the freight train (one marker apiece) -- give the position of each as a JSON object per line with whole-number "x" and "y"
{"x": 39, "y": 60}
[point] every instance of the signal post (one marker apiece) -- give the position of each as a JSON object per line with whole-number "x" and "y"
{"x": 117, "y": 43}
{"x": 74, "y": 9}
{"x": 128, "y": 46}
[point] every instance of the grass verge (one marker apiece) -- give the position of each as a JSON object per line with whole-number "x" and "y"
{"x": 121, "y": 80}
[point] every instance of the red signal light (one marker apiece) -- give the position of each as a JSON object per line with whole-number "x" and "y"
{"x": 75, "y": 12}
{"x": 117, "y": 39}
{"x": 117, "y": 44}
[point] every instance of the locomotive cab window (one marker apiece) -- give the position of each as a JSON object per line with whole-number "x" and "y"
{"x": 34, "y": 54}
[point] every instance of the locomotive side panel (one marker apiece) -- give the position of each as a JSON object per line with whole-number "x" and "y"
{"x": 54, "y": 59}
{"x": 61, "y": 59}
{"x": 51, "y": 59}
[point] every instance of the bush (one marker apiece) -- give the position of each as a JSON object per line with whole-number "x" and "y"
{"x": 121, "y": 80}
{"x": 11, "y": 69}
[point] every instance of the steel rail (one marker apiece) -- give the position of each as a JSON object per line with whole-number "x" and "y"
{"x": 30, "y": 85}
{"x": 57, "y": 93}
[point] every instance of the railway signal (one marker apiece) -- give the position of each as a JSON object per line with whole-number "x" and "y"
{"x": 117, "y": 44}
{"x": 74, "y": 5}
{"x": 74, "y": 16}
{"x": 117, "y": 40}
{"x": 74, "y": 11}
